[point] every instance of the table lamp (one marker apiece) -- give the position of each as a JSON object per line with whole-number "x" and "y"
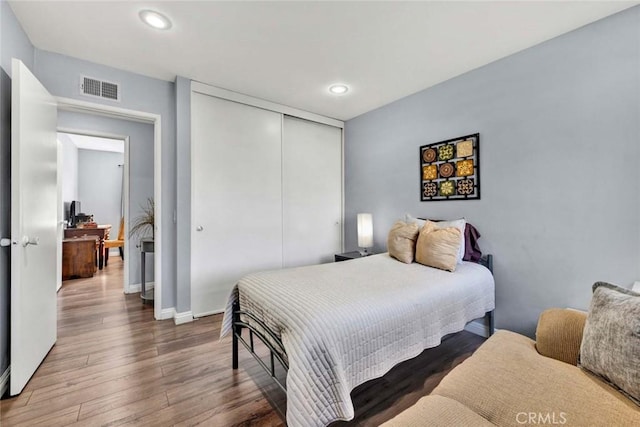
{"x": 365, "y": 232}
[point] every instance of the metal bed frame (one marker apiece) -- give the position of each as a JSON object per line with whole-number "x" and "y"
{"x": 274, "y": 343}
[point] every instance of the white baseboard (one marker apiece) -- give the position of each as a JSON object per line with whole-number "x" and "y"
{"x": 4, "y": 380}
{"x": 167, "y": 313}
{"x": 209, "y": 313}
{"x": 136, "y": 287}
{"x": 477, "y": 327}
{"x": 131, "y": 289}
{"x": 178, "y": 318}
{"x": 184, "y": 317}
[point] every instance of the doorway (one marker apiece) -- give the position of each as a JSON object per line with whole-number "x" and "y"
{"x": 141, "y": 134}
{"x": 94, "y": 174}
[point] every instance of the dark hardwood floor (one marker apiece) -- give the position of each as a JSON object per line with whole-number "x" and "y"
{"x": 114, "y": 365}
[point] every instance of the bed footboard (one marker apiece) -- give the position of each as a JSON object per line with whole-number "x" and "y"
{"x": 265, "y": 335}
{"x": 237, "y": 330}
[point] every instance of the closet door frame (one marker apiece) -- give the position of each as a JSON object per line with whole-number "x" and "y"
{"x": 265, "y": 105}
{"x": 201, "y": 88}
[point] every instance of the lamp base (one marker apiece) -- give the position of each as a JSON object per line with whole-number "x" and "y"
{"x": 363, "y": 252}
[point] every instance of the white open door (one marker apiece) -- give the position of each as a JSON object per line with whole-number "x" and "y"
{"x": 34, "y": 223}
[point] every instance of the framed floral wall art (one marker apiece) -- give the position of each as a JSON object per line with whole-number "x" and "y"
{"x": 450, "y": 170}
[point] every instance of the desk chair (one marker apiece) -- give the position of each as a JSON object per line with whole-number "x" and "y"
{"x": 118, "y": 243}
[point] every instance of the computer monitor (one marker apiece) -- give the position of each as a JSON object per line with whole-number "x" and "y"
{"x": 74, "y": 210}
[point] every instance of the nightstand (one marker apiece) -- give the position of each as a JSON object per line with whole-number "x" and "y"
{"x": 349, "y": 255}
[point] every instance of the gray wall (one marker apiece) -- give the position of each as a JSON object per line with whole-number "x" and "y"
{"x": 60, "y": 75}
{"x": 13, "y": 43}
{"x": 100, "y": 186}
{"x": 140, "y": 173}
{"x": 560, "y": 130}
{"x": 69, "y": 171}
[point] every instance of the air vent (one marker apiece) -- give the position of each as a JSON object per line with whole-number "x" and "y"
{"x": 99, "y": 88}
{"x": 91, "y": 87}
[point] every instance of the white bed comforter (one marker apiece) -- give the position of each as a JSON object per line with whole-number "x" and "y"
{"x": 345, "y": 323}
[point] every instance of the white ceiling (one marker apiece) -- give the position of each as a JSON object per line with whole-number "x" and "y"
{"x": 85, "y": 142}
{"x": 290, "y": 52}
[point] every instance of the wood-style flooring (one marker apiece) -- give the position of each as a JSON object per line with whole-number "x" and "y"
{"x": 114, "y": 365}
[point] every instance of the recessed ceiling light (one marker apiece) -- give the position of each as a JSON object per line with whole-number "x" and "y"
{"x": 155, "y": 19}
{"x": 339, "y": 89}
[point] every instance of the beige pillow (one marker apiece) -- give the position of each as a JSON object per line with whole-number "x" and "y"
{"x": 438, "y": 247}
{"x": 611, "y": 341}
{"x": 460, "y": 224}
{"x": 401, "y": 242}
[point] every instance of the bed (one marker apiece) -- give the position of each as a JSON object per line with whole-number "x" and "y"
{"x": 336, "y": 326}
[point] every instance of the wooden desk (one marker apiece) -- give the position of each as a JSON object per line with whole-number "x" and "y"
{"x": 102, "y": 231}
{"x": 79, "y": 257}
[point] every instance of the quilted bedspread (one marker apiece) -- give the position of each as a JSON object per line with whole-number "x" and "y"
{"x": 345, "y": 323}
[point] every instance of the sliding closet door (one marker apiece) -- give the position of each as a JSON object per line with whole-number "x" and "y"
{"x": 312, "y": 192}
{"x": 236, "y": 197}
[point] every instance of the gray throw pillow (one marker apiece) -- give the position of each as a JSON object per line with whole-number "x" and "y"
{"x": 611, "y": 342}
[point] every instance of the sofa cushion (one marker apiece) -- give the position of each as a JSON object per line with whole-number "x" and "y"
{"x": 559, "y": 334}
{"x": 506, "y": 381}
{"x": 611, "y": 343}
{"x": 437, "y": 411}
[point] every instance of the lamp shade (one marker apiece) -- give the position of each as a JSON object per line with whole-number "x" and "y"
{"x": 365, "y": 230}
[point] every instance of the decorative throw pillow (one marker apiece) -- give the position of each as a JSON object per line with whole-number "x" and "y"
{"x": 611, "y": 341}
{"x": 401, "y": 242}
{"x": 409, "y": 219}
{"x": 460, "y": 224}
{"x": 438, "y": 247}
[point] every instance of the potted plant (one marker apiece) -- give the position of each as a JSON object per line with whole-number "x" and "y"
{"x": 144, "y": 221}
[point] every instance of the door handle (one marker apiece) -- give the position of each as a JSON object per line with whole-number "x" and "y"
{"x": 199, "y": 228}
{"x": 26, "y": 241}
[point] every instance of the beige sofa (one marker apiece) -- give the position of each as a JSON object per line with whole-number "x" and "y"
{"x": 513, "y": 381}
